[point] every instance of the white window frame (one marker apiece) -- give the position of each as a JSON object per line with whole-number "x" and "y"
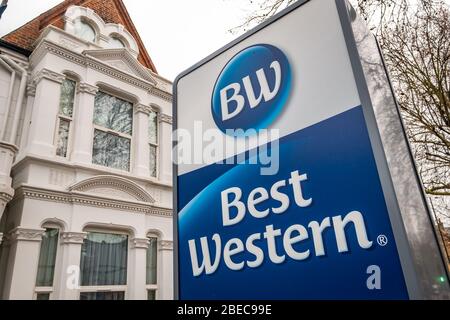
{"x": 113, "y": 132}
{"x": 60, "y": 117}
{"x": 108, "y": 288}
{"x": 156, "y": 145}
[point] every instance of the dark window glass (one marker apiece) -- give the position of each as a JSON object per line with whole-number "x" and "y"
{"x": 111, "y": 150}
{"x": 47, "y": 258}
{"x": 113, "y": 113}
{"x": 152, "y": 253}
{"x": 102, "y": 296}
{"x": 104, "y": 260}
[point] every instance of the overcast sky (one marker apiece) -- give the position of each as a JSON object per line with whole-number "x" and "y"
{"x": 176, "y": 33}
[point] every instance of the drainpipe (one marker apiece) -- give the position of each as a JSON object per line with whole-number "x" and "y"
{"x": 22, "y": 89}
{"x": 9, "y": 148}
{"x": 8, "y": 100}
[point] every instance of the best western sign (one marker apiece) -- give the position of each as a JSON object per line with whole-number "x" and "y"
{"x": 285, "y": 186}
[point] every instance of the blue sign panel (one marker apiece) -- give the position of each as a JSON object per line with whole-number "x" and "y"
{"x": 320, "y": 224}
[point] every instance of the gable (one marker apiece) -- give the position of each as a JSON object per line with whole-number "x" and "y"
{"x": 111, "y": 11}
{"x": 123, "y": 60}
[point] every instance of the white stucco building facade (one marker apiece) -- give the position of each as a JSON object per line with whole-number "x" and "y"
{"x": 85, "y": 166}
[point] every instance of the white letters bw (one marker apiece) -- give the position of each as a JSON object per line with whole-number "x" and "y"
{"x": 254, "y": 101}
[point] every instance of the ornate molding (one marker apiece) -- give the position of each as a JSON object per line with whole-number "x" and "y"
{"x": 91, "y": 62}
{"x": 113, "y": 182}
{"x": 49, "y": 75}
{"x": 31, "y": 89}
{"x": 84, "y": 87}
{"x": 161, "y": 94}
{"x": 122, "y": 54}
{"x": 10, "y": 147}
{"x": 92, "y": 201}
{"x": 73, "y": 237}
{"x": 165, "y": 118}
{"x": 140, "y": 243}
{"x": 165, "y": 245}
{"x": 24, "y": 234}
{"x": 142, "y": 108}
{"x": 6, "y": 197}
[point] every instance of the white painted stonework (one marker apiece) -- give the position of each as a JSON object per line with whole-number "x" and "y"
{"x": 39, "y": 190}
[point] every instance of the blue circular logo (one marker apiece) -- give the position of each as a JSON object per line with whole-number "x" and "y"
{"x": 252, "y": 89}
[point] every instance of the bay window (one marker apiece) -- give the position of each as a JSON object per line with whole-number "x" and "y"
{"x": 113, "y": 122}
{"x": 104, "y": 259}
{"x": 153, "y": 143}
{"x": 65, "y": 116}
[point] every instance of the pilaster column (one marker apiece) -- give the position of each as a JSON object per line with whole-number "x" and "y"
{"x": 140, "y": 137}
{"x": 31, "y": 94}
{"x": 165, "y": 151}
{"x": 7, "y": 153}
{"x": 83, "y": 124}
{"x": 165, "y": 279}
{"x": 137, "y": 272}
{"x": 45, "y": 113}
{"x": 67, "y": 282}
{"x": 21, "y": 270}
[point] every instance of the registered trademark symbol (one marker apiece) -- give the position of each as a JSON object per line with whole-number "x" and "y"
{"x": 382, "y": 240}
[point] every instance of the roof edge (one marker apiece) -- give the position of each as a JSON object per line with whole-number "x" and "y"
{"x": 14, "y": 47}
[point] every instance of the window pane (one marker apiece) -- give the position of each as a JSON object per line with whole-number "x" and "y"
{"x": 84, "y": 30}
{"x": 153, "y": 160}
{"x": 115, "y": 43}
{"x": 153, "y": 128}
{"x": 43, "y": 296}
{"x": 151, "y": 294}
{"x": 47, "y": 258}
{"x": 102, "y": 296}
{"x": 113, "y": 113}
{"x": 63, "y": 138}
{"x": 152, "y": 261}
{"x": 104, "y": 260}
{"x": 111, "y": 151}
{"x": 67, "y": 97}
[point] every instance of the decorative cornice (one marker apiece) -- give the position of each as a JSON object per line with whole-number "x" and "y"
{"x": 165, "y": 245}
{"x": 5, "y": 197}
{"x": 73, "y": 237}
{"x": 91, "y": 62}
{"x": 8, "y": 146}
{"x": 140, "y": 243}
{"x": 114, "y": 182}
{"x": 161, "y": 94}
{"x": 49, "y": 75}
{"x": 84, "y": 87}
{"x": 142, "y": 108}
{"x": 91, "y": 200}
{"x": 165, "y": 118}
{"x": 31, "y": 89}
{"x": 23, "y": 234}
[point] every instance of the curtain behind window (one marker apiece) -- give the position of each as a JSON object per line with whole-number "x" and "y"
{"x": 152, "y": 261}
{"x": 104, "y": 260}
{"x": 47, "y": 258}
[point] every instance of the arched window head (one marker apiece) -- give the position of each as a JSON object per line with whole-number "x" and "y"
{"x": 84, "y": 31}
{"x": 116, "y": 43}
